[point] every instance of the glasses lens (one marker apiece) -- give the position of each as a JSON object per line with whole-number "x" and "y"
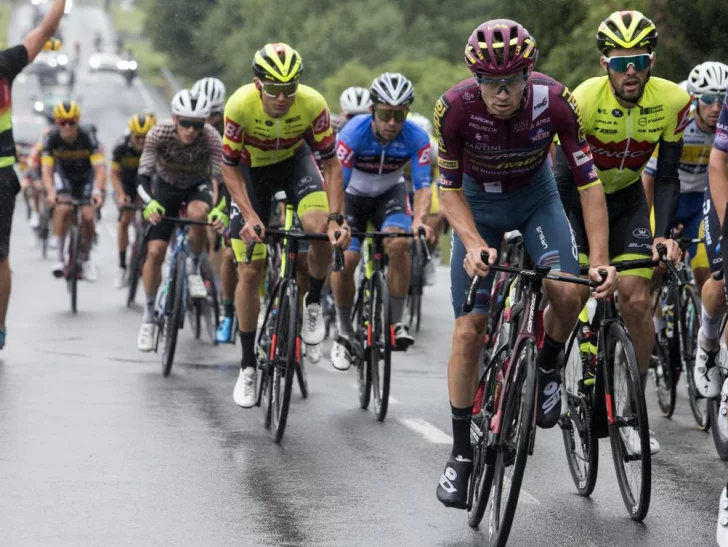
{"x": 66, "y": 123}
{"x": 491, "y": 86}
{"x": 386, "y": 114}
{"x": 274, "y": 90}
{"x": 622, "y": 64}
{"x": 198, "y": 125}
{"x": 711, "y": 99}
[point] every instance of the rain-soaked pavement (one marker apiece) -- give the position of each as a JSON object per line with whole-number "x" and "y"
{"x": 97, "y": 448}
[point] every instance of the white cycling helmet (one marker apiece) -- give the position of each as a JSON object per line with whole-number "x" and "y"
{"x": 708, "y": 77}
{"x": 191, "y": 105}
{"x": 214, "y": 90}
{"x": 355, "y": 100}
{"x": 421, "y": 121}
{"x": 392, "y": 88}
{"x": 684, "y": 86}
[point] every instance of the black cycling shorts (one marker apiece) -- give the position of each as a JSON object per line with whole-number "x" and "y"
{"x": 390, "y": 209}
{"x": 630, "y": 233}
{"x": 9, "y": 188}
{"x": 298, "y": 176}
{"x": 172, "y": 198}
{"x": 77, "y": 188}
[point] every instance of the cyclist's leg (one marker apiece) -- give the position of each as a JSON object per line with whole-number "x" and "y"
{"x": 305, "y": 189}
{"x": 9, "y": 188}
{"x": 61, "y": 219}
{"x": 82, "y": 190}
{"x": 713, "y": 300}
{"x": 392, "y": 213}
{"x": 690, "y": 214}
{"x": 228, "y": 280}
{"x": 125, "y": 219}
{"x": 199, "y": 203}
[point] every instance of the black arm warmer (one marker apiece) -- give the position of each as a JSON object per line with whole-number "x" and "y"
{"x": 667, "y": 186}
{"x": 144, "y": 188}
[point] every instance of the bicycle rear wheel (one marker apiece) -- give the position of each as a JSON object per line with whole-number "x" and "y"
{"x": 662, "y": 368}
{"x": 362, "y": 313}
{"x": 689, "y": 325}
{"x": 174, "y": 311}
{"x": 627, "y": 417}
{"x": 580, "y": 441}
{"x": 286, "y": 352}
{"x": 517, "y": 421}
{"x": 381, "y": 339}
{"x": 138, "y": 255}
{"x": 73, "y": 266}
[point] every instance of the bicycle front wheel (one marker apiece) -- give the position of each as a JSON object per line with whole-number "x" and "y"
{"x": 689, "y": 326}
{"x": 663, "y": 373}
{"x": 174, "y": 310}
{"x": 135, "y": 270}
{"x": 517, "y": 421}
{"x": 629, "y": 431}
{"x": 361, "y": 325}
{"x": 286, "y": 352}
{"x": 381, "y": 339}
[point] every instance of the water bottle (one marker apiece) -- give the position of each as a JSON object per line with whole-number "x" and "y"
{"x": 588, "y": 350}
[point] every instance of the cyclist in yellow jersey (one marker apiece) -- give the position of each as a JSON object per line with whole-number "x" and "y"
{"x": 264, "y": 151}
{"x": 626, "y": 114}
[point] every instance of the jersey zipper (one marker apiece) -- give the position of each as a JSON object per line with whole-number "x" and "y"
{"x": 626, "y": 149}
{"x": 381, "y": 159}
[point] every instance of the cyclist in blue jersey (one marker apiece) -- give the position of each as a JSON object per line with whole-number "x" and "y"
{"x": 374, "y": 149}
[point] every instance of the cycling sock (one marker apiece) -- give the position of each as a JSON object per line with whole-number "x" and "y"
{"x": 195, "y": 263}
{"x": 397, "y": 305}
{"x": 314, "y": 291}
{"x": 149, "y": 309}
{"x": 548, "y": 358}
{"x": 247, "y": 342}
{"x": 122, "y": 260}
{"x": 61, "y": 242}
{"x": 228, "y": 306}
{"x": 709, "y": 326}
{"x": 343, "y": 318}
{"x": 461, "y": 418}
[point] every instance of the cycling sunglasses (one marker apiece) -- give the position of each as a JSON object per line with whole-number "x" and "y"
{"x": 66, "y": 123}
{"x": 621, "y": 63}
{"x": 493, "y": 86}
{"x": 387, "y": 114}
{"x": 274, "y": 90}
{"x": 197, "y": 125}
{"x": 711, "y": 99}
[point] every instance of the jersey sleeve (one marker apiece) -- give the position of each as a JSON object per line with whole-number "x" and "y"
{"x": 570, "y": 128}
{"x": 12, "y": 61}
{"x": 651, "y": 167}
{"x": 232, "y": 140}
{"x": 421, "y": 170}
{"x": 721, "y": 131}
{"x": 95, "y": 148}
{"x": 680, "y": 117}
{"x": 214, "y": 142}
{"x": 118, "y": 153}
{"x": 148, "y": 159}
{"x": 346, "y": 151}
{"x": 324, "y": 141}
{"x": 449, "y": 149}
{"x": 46, "y": 153}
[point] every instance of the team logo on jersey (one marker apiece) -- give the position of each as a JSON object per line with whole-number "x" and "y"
{"x": 540, "y": 100}
{"x": 233, "y": 131}
{"x": 618, "y": 155}
{"x": 683, "y": 119}
{"x": 322, "y": 122}
{"x": 345, "y": 154}
{"x": 642, "y": 233}
{"x": 438, "y": 120}
{"x": 617, "y": 113}
{"x": 582, "y": 156}
{"x": 423, "y": 156}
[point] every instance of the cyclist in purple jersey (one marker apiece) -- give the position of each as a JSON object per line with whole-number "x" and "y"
{"x": 495, "y": 134}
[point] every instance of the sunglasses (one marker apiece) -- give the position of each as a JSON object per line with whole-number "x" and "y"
{"x": 622, "y": 63}
{"x": 274, "y": 90}
{"x": 711, "y": 99}
{"x": 386, "y": 114}
{"x": 66, "y": 123}
{"x": 493, "y": 86}
{"x": 138, "y": 138}
{"x": 197, "y": 125}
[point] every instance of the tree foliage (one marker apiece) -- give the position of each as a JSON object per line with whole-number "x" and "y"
{"x": 349, "y": 43}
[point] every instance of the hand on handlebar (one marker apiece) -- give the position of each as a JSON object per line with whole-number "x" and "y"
{"x": 249, "y": 234}
{"x": 473, "y": 262}
{"x": 429, "y": 232}
{"x": 608, "y": 285}
{"x": 672, "y": 249}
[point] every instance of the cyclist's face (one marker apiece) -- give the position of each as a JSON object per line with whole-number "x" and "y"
{"x": 188, "y": 129}
{"x": 629, "y": 84}
{"x": 388, "y": 120}
{"x": 276, "y": 99}
{"x": 709, "y": 113}
{"x": 68, "y": 129}
{"x": 502, "y": 95}
{"x": 137, "y": 142}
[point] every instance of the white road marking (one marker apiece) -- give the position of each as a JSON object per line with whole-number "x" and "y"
{"x": 392, "y": 400}
{"x": 427, "y": 430}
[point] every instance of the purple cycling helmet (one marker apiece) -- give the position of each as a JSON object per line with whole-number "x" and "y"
{"x": 498, "y": 47}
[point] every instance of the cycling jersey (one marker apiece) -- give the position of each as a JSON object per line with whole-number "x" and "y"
{"x": 623, "y": 139}
{"x": 503, "y": 155}
{"x": 12, "y": 62}
{"x": 73, "y": 161}
{"x": 371, "y": 167}
{"x": 125, "y": 159}
{"x": 257, "y": 139}
{"x": 181, "y": 165}
{"x": 693, "y": 168}
{"x": 721, "y": 130}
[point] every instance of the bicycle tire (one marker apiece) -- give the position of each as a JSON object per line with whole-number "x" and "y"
{"x": 361, "y": 320}
{"x": 73, "y": 262}
{"x": 381, "y": 338}
{"x": 637, "y": 506}
{"x": 690, "y": 311}
{"x": 579, "y": 419}
{"x": 518, "y": 405}
{"x": 136, "y": 264}
{"x": 481, "y": 478}
{"x": 284, "y": 365}
{"x": 212, "y": 305}
{"x": 196, "y": 315}
{"x": 719, "y": 429}
{"x": 663, "y": 376}
{"x": 302, "y": 378}
{"x": 174, "y": 310}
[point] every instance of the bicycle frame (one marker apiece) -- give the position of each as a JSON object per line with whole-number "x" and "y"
{"x": 180, "y": 245}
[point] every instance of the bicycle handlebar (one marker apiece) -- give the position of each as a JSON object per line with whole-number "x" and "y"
{"x": 423, "y": 241}
{"x": 73, "y": 201}
{"x": 296, "y": 233}
{"x": 184, "y": 221}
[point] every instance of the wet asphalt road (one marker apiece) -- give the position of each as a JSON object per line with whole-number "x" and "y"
{"x": 96, "y": 447}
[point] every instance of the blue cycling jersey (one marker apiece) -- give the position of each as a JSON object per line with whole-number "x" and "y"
{"x": 371, "y": 168}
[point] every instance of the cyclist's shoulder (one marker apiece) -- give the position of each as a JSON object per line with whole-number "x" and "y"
{"x": 51, "y": 137}
{"x": 463, "y": 91}
{"x": 413, "y": 135}
{"x": 591, "y": 91}
{"x": 357, "y": 130}
{"x": 659, "y": 91}
{"x": 243, "y": 100}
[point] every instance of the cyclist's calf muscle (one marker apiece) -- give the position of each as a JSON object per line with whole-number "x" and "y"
{"x": 462, "y": 368}
{"x": 247, "y": 301}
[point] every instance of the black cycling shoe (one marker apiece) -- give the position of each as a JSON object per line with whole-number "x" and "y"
{"x": 452, "y": 490}
{"x": 549, "y": 398}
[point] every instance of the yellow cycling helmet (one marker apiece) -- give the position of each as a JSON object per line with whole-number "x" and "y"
{"x": 66, "y": 110}
{"x": 278, "y": 63}
{"x": 140, "y": 124}
{"x": 54, "y": 44}
{"x": 626, "y": 29}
